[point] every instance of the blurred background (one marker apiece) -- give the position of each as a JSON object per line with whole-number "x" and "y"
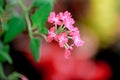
{"x": 99, "y": 58}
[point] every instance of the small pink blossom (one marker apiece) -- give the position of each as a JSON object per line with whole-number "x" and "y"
{"x": 62, "y": 39}
{"x": 64, "y": 15}
{"x": 53, "y": 18}
{"x": 70, "y": 47}
{"x": 77, "y": 41}
{"x": 68, "y": 50}
{"x": 51, "y": 34}
{"x": 67, "y": 20}
{"x": 68, "y": 23}
{"x": 75, "y": 29}
{"x": 67, "y": 53}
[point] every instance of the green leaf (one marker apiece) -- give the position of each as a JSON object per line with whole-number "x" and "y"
{"x": 1, "y": 9}
{"x": 1, "y": 6}
{"x": 35, "y": 47}
{"x": 14, "y": 76}
{"x": 40, "y": 16}
{"x": 16, "y": 26}
{"x": 4, "y": 27}
{"x": 2, "y": 59}
{"x": 1, "y": 3}
{"x": 43, "y": 30}
{"x": 2, "y": 75}
{"x": 4, "y": 54}
{"x": 38, "y": 3}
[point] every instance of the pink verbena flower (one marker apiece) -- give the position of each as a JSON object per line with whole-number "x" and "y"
{"x": 66, "y": 19}
{"x": 67, "y": 53}
{"x": 63, "y": 31}
{"x": 75, "y": 30}
{"x": 62, "y": 16}
{"x": 62, "y": 39}
{"x": 69, "y": 23}
{"x": 51, "y": 34}
{"x": 77, "y": 41}
{"x": 76, "y": 37}
{"x": 68, "y": 50}
{"x": 54, "y": 19}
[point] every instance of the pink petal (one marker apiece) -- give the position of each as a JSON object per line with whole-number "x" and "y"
{"x": 62, "y": 39}
{"x": 67, "y": 53}
{"x": 49, "y": 38}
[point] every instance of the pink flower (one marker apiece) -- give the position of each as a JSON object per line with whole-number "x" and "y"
{"x": 62, "y": 39}
{"x": 75, "y": 29}
{"x": 53, "y": 18}
{"x": 68, "y": 50}
{"x": 63, "y": 31}
{"x": 51, "y": 34}
{"x": 71, "y": 46}
{"x": 77, "y": 41}
{"x": 64, "y": 15}
{"x": 76, "y": 37}
{"x": 67, "y": 53}
{"x": 74, "y": 32}
{"x": 67, "y": 20}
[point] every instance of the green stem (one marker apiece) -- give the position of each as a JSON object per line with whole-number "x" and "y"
{"x": 2, "y": 74}
{"x": 63, "y": 28}
{"x": 29, "y": 25}
{"x": 2, "y": 22}
{"x": 44, "y": 36}
{"x": 26, "y": 17}
{"x": 69, "y": 37}
{"x": 66, "y": 46}
{"x": 56, "y": 26}
{"x": 22, "y": 5}
{"x": 1, "y": 27}
{"x": 37, "y": 33}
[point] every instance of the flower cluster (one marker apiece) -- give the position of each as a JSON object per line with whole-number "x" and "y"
{"x": 63, "y": 31}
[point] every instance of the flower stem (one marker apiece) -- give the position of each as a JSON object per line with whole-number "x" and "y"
{"x": 26, "y": 11}
{"x": 2, "y": 75}
{"x": 66, "y": 46}
{"x": 22, "y": 5}
{"x": 40, "y": 34}
{"x": 29, "y": 25}
{"x": 70, "y": 37}
{"x": 63, "y": 28}
{"x": 56, "y": 26}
